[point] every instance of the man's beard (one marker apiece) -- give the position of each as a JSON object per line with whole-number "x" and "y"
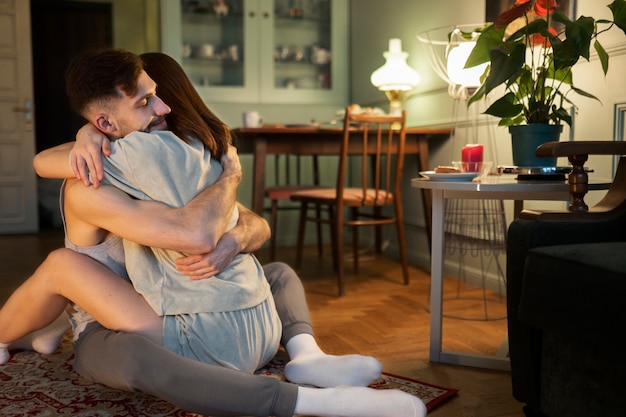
{"x": 157, "y": 125}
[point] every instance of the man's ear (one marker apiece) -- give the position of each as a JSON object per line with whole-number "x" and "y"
{"x": 104, "y": 124}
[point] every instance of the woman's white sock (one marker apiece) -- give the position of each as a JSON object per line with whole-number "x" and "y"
{"x": 43, "y": 340}
{"x": 4, "y": 353}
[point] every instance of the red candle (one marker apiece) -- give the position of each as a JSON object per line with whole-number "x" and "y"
{"x": 473, "y": 155}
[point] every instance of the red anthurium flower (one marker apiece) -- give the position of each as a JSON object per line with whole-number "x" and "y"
{"x": 543, "y": 7}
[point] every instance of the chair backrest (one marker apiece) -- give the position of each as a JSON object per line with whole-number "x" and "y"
{"x": 289, "y": 170}
{"x": 367, "y": 161}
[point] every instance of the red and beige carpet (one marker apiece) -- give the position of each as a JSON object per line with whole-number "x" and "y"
{"x": 46, "y": 385}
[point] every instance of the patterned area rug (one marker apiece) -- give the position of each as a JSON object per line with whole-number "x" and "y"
{"x": 46, "y": 385}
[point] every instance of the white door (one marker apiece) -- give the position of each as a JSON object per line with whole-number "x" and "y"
{"x": 18, "y": 186}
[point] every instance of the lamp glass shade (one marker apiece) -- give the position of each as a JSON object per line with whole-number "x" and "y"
{"x": 395, "y": 74}
{"x": 457, "y": 73}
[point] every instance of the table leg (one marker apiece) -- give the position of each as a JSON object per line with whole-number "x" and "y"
{"x": 518, "y": 206}
{"x": 258, "y": 180}
{"x": 436, "y": 276}
{"x": 424, "y": 165}
{"x": 436, "y": 301}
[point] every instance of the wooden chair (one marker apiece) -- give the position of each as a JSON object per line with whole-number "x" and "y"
{"x": 286, "y": 183}
{"x": 375, "y": 170}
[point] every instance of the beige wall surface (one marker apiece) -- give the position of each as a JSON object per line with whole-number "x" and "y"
{"x": 372, "y": 23}
{"x": 135, "y": 24}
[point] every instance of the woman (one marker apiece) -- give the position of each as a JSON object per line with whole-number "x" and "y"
{"x": 243, "y": 398}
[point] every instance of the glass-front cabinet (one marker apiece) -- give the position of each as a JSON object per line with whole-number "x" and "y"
{"x": 260, "y": 51}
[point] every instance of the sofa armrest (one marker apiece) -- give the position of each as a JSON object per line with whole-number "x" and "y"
{"x": 614, "y": 202}
{"x": 582, "y": 148}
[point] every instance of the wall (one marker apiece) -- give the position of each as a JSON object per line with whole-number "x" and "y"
{"x": 595, "y": 119}
{"x": 135, "y": 24}
{"x": 374, "y": 22}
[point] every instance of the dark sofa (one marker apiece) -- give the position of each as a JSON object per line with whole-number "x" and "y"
{"x": 566, "y": 294}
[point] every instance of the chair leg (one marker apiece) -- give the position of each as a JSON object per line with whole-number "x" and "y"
{"x": 378, "y": 241}
{"x": 402, "y": 243}
{"x": 355, "y": 241}
{"x": 273, "y": 223}
{"x": 318, "y": 213}
{"x": 338, "y": 226}
{"x": 301, "y": 228}
{"x": 333, "y": 238}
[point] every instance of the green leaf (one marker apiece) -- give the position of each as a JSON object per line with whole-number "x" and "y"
{"x": 489, "y": 39}
{"x": 563, "y": 75}
{"x": 618, "y": 7}
{"x": 525, "y": 82}
{"x": 467, "y": 35}
{"x": 563, "y": 52}
{"x": 561, "y": 114}
{"x": 505, "y": 107}
{"x": 478, "y": 95}
{"x": 507, "y": 121}
{"x": 585, "y": 94}
{"x": 602, "y": 55}
{"x": 518, "y": 120}
{"x": 561, "y": 18}
{"x": 579, "y": 33}
{"x": 504, "y": 66}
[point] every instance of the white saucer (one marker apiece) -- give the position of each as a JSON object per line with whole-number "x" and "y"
{"x": 450, "y": 176}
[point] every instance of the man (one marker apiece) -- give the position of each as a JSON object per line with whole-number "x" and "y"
{"x": 150, "y": 114}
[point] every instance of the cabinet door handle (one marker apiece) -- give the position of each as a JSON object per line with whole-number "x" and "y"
{"x": 251, "y": 14}
{"x": 266, "y": 15}
{"x": 27, "y": 110}
{"x": 28, "y": 114}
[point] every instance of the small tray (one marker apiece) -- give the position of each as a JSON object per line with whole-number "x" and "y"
{"x": 540, "y": 173}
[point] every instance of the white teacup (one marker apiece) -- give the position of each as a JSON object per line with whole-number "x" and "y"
{"x": 320, "y": 55}
{"x": 252, "y": 119}
{"x": 206, "y": 50}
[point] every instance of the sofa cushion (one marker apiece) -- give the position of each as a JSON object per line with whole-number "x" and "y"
{"x": 575, "y": 289}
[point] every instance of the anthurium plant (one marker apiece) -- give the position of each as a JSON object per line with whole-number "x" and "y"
{"x": 534, "y": 61}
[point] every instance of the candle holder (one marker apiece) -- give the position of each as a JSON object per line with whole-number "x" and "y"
{"x": 472, "y": 154}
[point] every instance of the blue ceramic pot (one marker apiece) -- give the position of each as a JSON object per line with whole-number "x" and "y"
{"x": 526, "y": 138}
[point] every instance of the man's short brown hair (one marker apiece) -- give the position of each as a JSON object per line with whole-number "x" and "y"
{"x": 99, "y": 74}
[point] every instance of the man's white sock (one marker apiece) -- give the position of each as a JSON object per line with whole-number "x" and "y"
{"x": 310, "y": 365}
{"x": 357, "y": 402}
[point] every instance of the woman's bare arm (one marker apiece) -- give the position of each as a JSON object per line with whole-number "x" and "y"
{"x": 81, "y": 159}
{"x": 53, "y": 162}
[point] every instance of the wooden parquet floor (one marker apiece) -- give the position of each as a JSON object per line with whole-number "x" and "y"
{"x": 378, "y": 316}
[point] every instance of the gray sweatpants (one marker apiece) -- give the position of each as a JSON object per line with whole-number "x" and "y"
{"x": 131, "y": 362}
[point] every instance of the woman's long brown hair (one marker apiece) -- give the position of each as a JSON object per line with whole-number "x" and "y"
{"x": 190, "y": 117}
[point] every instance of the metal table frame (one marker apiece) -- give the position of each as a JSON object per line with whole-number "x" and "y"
{"x": 504, "y": 187}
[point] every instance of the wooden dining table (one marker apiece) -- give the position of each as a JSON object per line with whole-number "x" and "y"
{"x": 320, "y": 140}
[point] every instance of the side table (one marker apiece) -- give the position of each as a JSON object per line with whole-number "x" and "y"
{"x": 503, "y": 187}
